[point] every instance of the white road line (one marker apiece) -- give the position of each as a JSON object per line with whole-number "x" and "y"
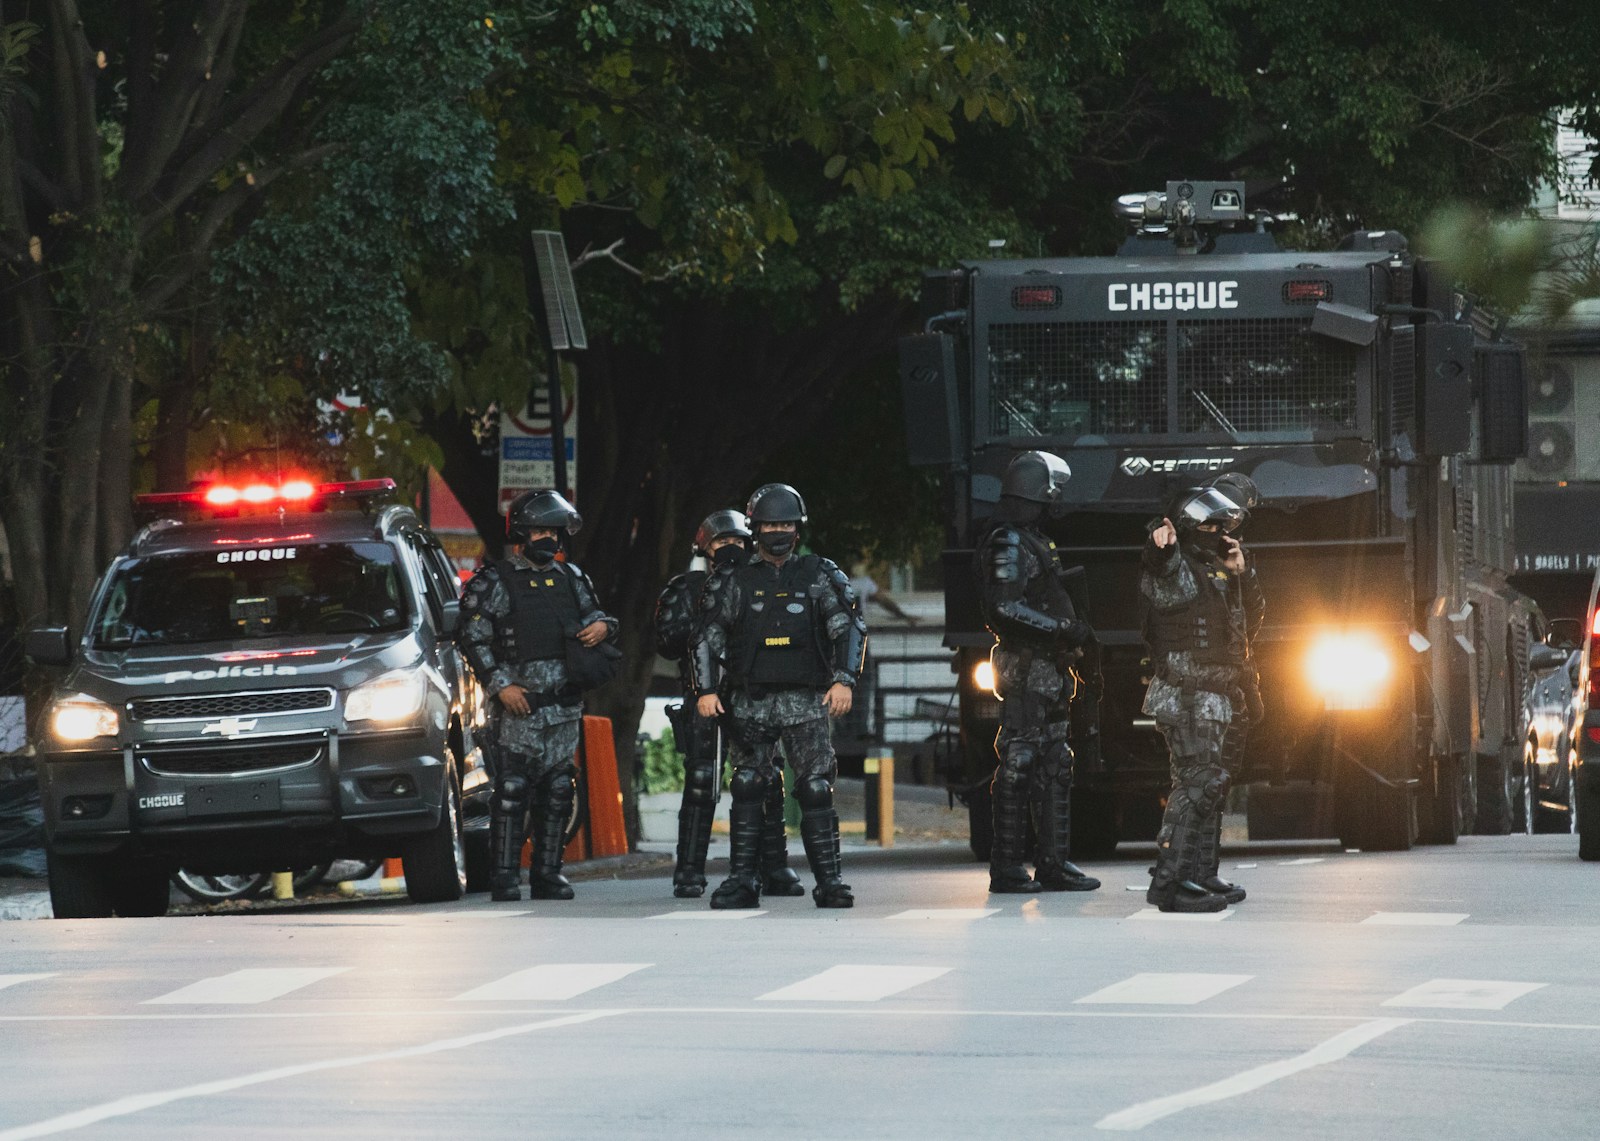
{"x": 255, "y": 984}
{"x": 1301, "y": 862}
{"x": 1152, "y": 913}
{"x": 746, "y": 913}
{"x": 137, "y": 1103}
{"x": 1463, "y": 994}
{"x": 854, "y": 984}
{"x": 1245, "y": 865}
{"x": 13, "y": 980}
{"x": 1166, "y": 989}
{"x": 551, "y": 982}
{"x": 965, "y": 913}
{"x": 1334, "y": 1049}
{"x": 1415, "y": 918}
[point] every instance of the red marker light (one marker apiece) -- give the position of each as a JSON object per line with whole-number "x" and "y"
{"x": 1306, "y": 292}
{"x": 1035, "y": 297}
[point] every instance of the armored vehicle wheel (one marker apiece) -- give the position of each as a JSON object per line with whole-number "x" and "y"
{"x": 140, "y": 891}
{"x": 80, "y": 887}
{"x": 1496, "y": 796}
{"x": 1587, "y": 806}
{"x": 1440, "y": 817}
{"x": 1375, "y": 817}
{"x": 436, "y": 862}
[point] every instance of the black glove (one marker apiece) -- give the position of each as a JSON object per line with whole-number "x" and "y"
{"x": 1071, "y": 635}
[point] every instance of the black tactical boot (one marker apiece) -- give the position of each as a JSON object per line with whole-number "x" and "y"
{"x": 819, "y": 832}
{"x": 1052, "y": 825}
{"x": 694, "y": 837}
{"x": 506, "y": 828}
{"x": 742, "y": 888}
{"x": 1007, "y": 876}
{"x": 777, "y": 877}
{"x": 545, "y": 880}
{"x": 1184, "y": 895}
{"x": 1210, "y": 860}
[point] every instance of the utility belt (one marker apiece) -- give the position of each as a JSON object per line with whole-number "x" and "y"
{"x": 565, "y": 696}
{"x": 756, "y": 690}
{"x": 1244, "y": 693}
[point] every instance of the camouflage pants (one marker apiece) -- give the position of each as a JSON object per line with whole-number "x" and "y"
{"x": 1034, "y": 770}
{"x": 807, "y": 745}
{"x": 538, "y": 757}
{"x": 1203, "y": 755}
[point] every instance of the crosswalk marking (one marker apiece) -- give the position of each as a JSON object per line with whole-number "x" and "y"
{"x": 1415, "y": 918}
{"x": 947, "y": 913}
{"x": 1301, "y": 862}
{"x": 854, "y": 984}
{"x": 1463, "y": 994}
{"x": 551, "y": 982}
{"x": 255, "y": 984}
{"x": 742, "y": 913}
{"x": 13, "y": 980}
{"x": 1155, "y": 914}
{"x": 1166, "y": 989}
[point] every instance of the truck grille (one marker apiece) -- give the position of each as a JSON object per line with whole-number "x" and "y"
{"x": 260, "y": 703}
{"x": 240, "y": 757}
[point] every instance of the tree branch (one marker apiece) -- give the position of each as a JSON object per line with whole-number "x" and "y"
{"x": 78, "y": 135}
{"x": 246, "y": 118}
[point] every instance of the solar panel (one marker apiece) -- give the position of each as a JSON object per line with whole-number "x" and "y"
{"x": 560, "y": 296}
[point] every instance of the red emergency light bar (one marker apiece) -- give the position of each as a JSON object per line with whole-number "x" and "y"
{"x": 290, "y": 493}
{"x": 1306, "y": 292}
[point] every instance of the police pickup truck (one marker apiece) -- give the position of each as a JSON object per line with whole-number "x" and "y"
{"x": 267, "y": 679}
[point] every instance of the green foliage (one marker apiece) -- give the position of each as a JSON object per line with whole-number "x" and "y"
{"x": 661, "y": 765}
{"x": 1496, "y": 259}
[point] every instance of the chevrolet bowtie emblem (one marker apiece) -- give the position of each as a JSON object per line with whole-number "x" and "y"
{"x": 230, "y": 726}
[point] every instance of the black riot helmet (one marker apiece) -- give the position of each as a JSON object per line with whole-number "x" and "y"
{"x": 1038, "y": 477}
{"x": 1238, "y": 487}
{"x": 540, "y": 510}
{"x": 1193, "y": 506}
{"x": 776, "y": 503}
{"x": 718, "y": 524}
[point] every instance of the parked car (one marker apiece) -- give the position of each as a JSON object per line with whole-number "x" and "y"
{"x": 1586, "y": 718}
{"x": 267, "y": 679}
{"x": 1553, "y": 660}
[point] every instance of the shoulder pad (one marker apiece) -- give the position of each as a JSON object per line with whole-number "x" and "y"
{"x": 840, "y": 581}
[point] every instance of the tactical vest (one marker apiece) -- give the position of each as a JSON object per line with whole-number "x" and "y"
{"x": 778, "y": 640}
{"x": 1208, "y": 628}
{"x": 544, "y": 611}
{"x": 1045, "y": 592}
{"x": 676, "y": 613}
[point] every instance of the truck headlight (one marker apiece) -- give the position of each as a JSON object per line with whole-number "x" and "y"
{"x": 983, "y": 676}
{"x": 395, "y": 696}
{"x": 82, "y": 718}
{"x": 1349, "y": 671}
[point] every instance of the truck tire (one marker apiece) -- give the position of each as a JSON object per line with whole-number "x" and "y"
{"x": 980, "y": 823}
{"x": 1376, "y": 817}
{"x": 1587, "y": 805}
{"x": 1496, "y": 796}
{"x": 80, "y": 887}
{"x": 141, "y": 891}
{"x": 1439, "y": 812}
{"x": 436, "y": 862}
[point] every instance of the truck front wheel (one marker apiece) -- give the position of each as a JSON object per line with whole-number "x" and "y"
{"x": 436, "y": 862}
{"x": 80, "y": 887}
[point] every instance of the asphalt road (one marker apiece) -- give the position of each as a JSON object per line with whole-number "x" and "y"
{"x": 1445, "y": 992}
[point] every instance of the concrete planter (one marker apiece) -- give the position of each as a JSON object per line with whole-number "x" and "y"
{"x": 658, "y": 816}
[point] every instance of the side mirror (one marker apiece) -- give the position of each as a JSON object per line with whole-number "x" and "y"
{"x": 48, "y": 645}
{"x": 450, "y": 618}
{"x": 1545, "y": 657}
{"x": 1566, "y": 633}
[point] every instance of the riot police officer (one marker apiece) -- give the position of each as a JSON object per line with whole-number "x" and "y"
{"x": 1039, "y": 636}
{"x": 521, "y": 618}
{"x": 783, "y": 638}
{"x": 1194, "y": 586}
{"x": 723, "y": 539}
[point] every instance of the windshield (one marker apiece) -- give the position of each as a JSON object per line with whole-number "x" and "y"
{"x": 270, "y": 591}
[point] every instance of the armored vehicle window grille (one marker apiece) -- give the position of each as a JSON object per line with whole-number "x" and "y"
{"x": 1089, "y": 378}
{"x": 1262, "y": 375}
{"x": 231, "y": 758}
{"x": 258, "y": 704}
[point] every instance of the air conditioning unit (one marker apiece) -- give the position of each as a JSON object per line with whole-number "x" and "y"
{"x": 1563, "y": 421}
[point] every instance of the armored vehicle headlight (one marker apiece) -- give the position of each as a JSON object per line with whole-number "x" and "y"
{"x": 983, "y": 675}
{"x": 393, "y": 697}
{"x": 1349, "y": 671}
{"x": 82, "y": 718}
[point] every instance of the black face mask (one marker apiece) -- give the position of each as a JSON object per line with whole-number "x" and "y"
{"x": 778, "y": 543}
{"x": 730, "y": 556}
{"x": 541, "y": 551}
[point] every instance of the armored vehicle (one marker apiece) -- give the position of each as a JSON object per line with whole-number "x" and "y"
{"x": 1376, "y": 410}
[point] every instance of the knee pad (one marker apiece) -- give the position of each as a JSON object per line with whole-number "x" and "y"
{"x": 748, "y": 785}
{"x": 561, "y": 785}
{"x": 697, "y": 784}
{"x": 511, "y": 794}
{"x": 814, "y": 792}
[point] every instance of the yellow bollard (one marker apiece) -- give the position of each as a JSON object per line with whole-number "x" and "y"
{"x": 282, "y": 885}
{"x": 879, "y": 787}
